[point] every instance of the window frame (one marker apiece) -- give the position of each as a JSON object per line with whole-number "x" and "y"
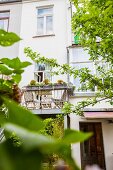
{"x": 45, "y": 19}
{"x": 5, "y": 18}
{"x": 44, "y": 72}
{"x": 73, "y": 62}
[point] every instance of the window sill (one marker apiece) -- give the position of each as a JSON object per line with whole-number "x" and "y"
{"x": 48, "y": 35}
{"x": 83, "y": 94}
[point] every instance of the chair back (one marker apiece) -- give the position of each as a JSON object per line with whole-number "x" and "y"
{"x": 28, "y": 96}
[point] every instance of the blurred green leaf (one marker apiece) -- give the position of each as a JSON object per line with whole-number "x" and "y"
{"x": 15, "y": 63}
{"x": 3, "y": 118}
{"x": 8, "y": 38}
{"x": 73, "y": 136}
{"x": 5, "y": 70}
{"x": 46, "y": 145}
{"x": 17, "y": 78}
{"x": 25, "y": 64}
{"x": 22, "y": 117}
{"x": 5, "y": 161}
{"x": 31, "y": 140}
{"x": 15, "y": 158}
{"x": 66, "y": 154}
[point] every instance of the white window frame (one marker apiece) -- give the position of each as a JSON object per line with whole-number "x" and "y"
{"x": 72, "y": 62}
{"x": 45, "y": 18}
{"x": 93, "y": 70}
{"x": 79, "y": 63}
{"x": 44, "y": 72}
{"x": 5, "y": 18}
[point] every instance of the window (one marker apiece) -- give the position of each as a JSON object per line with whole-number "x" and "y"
{"x": 42, "y": 72}
{"x": 80, "y": 59}
{"x": 45, "y": 21}
{"x": 4, "y": 20}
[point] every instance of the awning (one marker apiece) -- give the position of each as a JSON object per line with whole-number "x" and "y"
{"x": 98, "y": 115}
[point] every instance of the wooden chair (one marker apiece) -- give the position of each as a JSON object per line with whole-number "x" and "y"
{"x": 46, "y": 102}
{"x": 29, "y": 99}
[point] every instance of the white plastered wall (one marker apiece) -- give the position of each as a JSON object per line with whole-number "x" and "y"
{"x": 14, "y": 26}
{"x": 48, "y": 46}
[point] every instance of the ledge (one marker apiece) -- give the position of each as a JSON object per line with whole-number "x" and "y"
{"x": 83, "y": 94}
{"x": 46, "y": 111}
{"x": 39, "y": 36}
{"x": 74, "y": 46}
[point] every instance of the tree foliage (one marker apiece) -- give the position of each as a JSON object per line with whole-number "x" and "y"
{"x": 93, "y": 20}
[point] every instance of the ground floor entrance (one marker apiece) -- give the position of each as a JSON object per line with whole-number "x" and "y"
{"x": 92, "y": 150}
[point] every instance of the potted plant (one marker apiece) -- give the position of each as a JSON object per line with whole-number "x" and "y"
{"x": 32, "y": 83}
{"x": 61, "y": 83}
{"x": 46, "y": 82}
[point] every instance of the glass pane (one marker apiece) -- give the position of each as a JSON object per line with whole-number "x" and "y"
{"x": 47, "y": 75}
{"x": 79, "y": 54}
{"x": 45, "y": 11}
{"x": 40, "y": 25}
{"x": 49, "y": 25}
{"x": 4, "y": 24}
{"x": 1, "y": 24}
{"x": 41, "y": 67}
{"x": 90, "y": 66}
{"x": 4, "y": 14}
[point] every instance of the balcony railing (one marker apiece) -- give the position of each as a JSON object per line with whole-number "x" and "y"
{"x": 45, "y": 97}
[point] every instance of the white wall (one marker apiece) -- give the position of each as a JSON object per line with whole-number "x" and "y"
{"x": 108, "y": 144}
{"x": 52, "y": 46}
{"x": 23, "y": 21}
{"x": 14, "y": 26}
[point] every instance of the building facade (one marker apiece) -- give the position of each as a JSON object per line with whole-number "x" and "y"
{"x": 45, "y": 26}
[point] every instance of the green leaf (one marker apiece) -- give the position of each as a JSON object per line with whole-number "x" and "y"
{"x": 14, "y": 158}
{"x": 25, "y": 64}
{"x": 2, "y": 117}
{"x": 66, "y": 154}
{"x": 46, "y": 145}
{"x": 18, "y": 71}
{"x": 73, "y": 136}
{"x": 15, "y": 63}
{"x": 30, "y": 140}
{"x": 5, "y": 70}
{"x": 5, "y": 162}
{"x": 17, "y": 78}
{"x": 22, "y": 117}
{"x": 8, "y": 38}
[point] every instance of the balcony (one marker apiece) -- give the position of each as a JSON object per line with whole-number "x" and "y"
{"x": 46, "y": 99}
{"x": 9, "y": 1}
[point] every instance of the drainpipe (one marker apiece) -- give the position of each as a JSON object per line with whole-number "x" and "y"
{"x": 68, "y": 79}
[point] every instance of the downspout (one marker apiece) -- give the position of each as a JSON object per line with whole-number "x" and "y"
{"x": 68, "y": 79}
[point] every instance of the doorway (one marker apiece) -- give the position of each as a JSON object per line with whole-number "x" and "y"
{"x": 92, "y": 150}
